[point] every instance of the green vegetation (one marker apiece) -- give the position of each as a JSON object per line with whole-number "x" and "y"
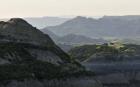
{"x": 22, "y": 65}
{"x": 35, "y": 69}
{"x": 83, "y": 52}
{"x": 15, "y": 53}
{"x": 106, "y": 51}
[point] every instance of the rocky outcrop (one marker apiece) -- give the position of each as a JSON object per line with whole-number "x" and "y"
{"x": 22, "y": 32}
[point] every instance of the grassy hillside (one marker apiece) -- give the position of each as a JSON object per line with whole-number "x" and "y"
{"x": 106, "y": 52}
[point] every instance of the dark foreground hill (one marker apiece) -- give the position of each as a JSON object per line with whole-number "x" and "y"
{"x": 18, "y": 31}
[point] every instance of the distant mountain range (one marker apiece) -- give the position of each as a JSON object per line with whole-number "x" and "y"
{"x": 73, "y": 39}
{"x": 107, "y": 26}
{"x": 80, "y": 40}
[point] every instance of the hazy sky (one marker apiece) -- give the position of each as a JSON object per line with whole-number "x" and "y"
{"x": 35, "y": 8}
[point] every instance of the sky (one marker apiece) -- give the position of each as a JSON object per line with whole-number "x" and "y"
{"x": 39, "y": 8}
